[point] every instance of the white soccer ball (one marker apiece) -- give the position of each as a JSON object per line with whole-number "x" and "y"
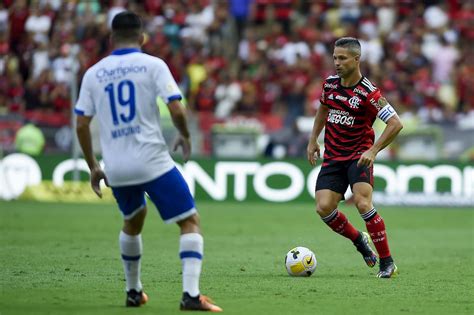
{"x": 300, "y": 262}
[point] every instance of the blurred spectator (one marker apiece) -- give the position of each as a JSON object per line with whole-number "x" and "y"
{"x": 204, "y": 100}
{"x": 350, "y": 11}
{"x": 293, "y": 49}
{"x": 197, "y": 21}
{"x": 3, "y": 104}
{"x": 444, "y": 62}
{"x": 197, "y": 73}
{"x": 85, "y": 7}
{"x": 221, "y": 31}
{"x": 38, "y": 24}
{"x": 19, "y": 13}
{"x": 373, "y": 50}
{"x": 40, "y": 59}
{"x": 266, "y": 11}
{"x": 435, "y": 17}
{"x": 64, "y": 65}
{"x": 248, "y": 104}
{"x": 227, "y": 94}
{"x": 465, "y": 84}
{"x": 38, "y": 92}
{"x": 61, "y": 99}
{"x": 3, "y": 18}
{"x": 240, "y": 10}
{"x": 16, "y": 94}
{"x": 386, "y": 17}
{"x": 116, "y": 7}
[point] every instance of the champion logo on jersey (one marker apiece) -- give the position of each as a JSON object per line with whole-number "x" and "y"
{"x": 331, "y": 97}
{"x": 354, "y": 102}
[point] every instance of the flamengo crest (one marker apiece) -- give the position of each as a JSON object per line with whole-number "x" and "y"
{"x": 354, "y": 102}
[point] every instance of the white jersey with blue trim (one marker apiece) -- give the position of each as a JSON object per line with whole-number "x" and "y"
{"x": 121, "y": 90}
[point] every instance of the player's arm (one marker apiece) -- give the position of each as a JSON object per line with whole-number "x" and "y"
{"x": 85, "y": 141}
{"x": 313, "y": 149}
{"x": 393, "y": 127}
{"x": 178, "y": 116}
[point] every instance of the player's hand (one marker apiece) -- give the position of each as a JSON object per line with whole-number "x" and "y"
{"x": 185, "y": 143}
{"x": 367, "y": 158}
{"x": 97, "y": 174}
{"x": 313, "y": 152}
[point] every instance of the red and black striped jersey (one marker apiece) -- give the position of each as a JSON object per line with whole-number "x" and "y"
{"x": 352, "y": 112}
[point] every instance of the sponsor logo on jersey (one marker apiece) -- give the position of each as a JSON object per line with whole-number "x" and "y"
{"x": 341, "y": 98}
{"x": 361, "y": 92}
{"x": 340, "y": 117}
{"x": 354, "y": 102}
{"x": 118, "y": 72}
{"x": 330, "y": 85}
{"x": 375, "y": 103}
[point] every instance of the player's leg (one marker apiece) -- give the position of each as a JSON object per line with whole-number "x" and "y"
{"x": 326, "y": 206}
{"x": 339, "y": 223}
{"x": 132, "y": 205}
{"x": 332, "y": 183}
{"x": 172, "y": 197}
{"x": 330, "y": 188}
{"x": 362, "y": 242}
{"x": 134, "y": 225}
{"x": 361, "y": 181}
{"x": 191, "y": 250}
{"x": 191, "y": 245}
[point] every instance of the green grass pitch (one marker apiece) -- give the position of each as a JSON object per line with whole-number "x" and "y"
{"x": 64, "y": 259}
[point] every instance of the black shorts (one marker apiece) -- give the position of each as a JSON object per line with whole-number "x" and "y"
{"x": 338, "y": 175}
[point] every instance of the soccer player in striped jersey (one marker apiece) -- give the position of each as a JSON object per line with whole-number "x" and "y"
{"x": 350, "y": 103}
{"x": 121, "y": 90}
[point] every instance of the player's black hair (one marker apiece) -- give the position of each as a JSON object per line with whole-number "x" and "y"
{"x": 351, "y": 43}
{"x": 126, "y": 26}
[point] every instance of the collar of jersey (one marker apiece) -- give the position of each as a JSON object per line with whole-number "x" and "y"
{"x": 123, "y": 51}
{"x": 353, "y": 86}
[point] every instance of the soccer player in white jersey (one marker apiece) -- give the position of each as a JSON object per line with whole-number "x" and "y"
{"x": 121, "y": 91}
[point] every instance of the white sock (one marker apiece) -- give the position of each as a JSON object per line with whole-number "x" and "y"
{"x": 131, "y": 250}
{"x": 190, "y": 251}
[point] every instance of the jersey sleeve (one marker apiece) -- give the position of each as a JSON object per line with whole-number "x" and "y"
{"x": 167, "y": 88}
{"x": 380, "y": 106}
{"x": 85, "y": 104}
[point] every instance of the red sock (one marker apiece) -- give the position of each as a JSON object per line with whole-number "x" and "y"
{"x": 338, "y": 222}
{"x": 376, "y": 228}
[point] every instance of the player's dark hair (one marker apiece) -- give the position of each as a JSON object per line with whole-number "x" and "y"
{"x": 126, "y": 27}
{"x": 350, "y": 43}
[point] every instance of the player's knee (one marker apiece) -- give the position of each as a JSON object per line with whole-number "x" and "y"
{"x": 130, "y": 228}
{"x": 363, "y": 204}
{"x": 190, "y": 224}
{"x": 324, "y": 208}
{"x": 134, "y": 225}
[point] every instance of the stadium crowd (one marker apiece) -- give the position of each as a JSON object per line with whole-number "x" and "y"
{"x": 255, "y": 58}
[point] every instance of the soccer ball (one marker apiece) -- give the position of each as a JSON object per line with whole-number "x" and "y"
{"x": 300, "y": 262}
